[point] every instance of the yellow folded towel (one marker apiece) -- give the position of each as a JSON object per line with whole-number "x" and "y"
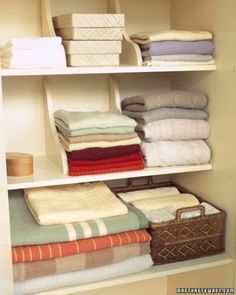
{"x": 148, "y": 193}
{"x": 73, "y": 203}
{"x": 178, "y": 201}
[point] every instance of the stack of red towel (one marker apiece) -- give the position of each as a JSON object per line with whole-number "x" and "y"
{"x": 98, "y": 142}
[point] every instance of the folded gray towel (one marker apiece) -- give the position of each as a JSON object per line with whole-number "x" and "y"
{"x": 166, "y": 113}
{"x": 168, "y": 98}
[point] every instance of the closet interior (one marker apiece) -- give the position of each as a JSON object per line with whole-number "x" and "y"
{"x": 28, "y": 98}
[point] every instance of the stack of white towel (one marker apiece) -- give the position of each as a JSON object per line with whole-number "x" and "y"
{"x": 160, "y": 204}
{"x": 172, "y": 125}
{"x": 91, "y": 39}
{"x": 35, "y": 52}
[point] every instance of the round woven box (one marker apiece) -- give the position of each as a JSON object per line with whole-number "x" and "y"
{"x": 19, "y": 164}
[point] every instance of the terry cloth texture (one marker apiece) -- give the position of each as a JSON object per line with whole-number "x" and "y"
{"x": 72, "y": 203}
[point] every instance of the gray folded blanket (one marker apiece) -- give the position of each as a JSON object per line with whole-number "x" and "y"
{"x": 178, "y": 47}
{"x": 168, "y": 98}
{"x": 180, "y": 57}
{"x": 174, "y": 129}
{"x": 166, "y": 113}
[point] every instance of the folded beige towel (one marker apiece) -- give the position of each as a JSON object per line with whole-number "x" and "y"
{"x": 178, "y": 201}
{"x": 148, "y": 193}
{"x": 98, "y": 137}
{"x": 73, "y": 203}
{"x": 156, "y": 63}
{"x": 69, "y": 147}
{"x": 146, "y": 37}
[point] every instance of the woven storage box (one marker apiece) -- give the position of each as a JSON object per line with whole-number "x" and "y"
{"x": 89, "y": 60}
{"x": 90, "y": 34}
{"x": 103, "y": 20}
{"x": 182, "y": 239}
{"x": 92, "y": 47}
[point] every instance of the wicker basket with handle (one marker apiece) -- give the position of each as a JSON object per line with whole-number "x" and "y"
{"x": 182, "y": 239}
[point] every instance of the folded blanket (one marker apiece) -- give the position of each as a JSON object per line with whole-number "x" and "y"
{"x": 179, "y": 201}
{"x": 178, "y": 35}
{"x": 73, "y": 203}
{"x": 33, "y": 59}
{"x": 31, "y": 43}
{"x": 26, "y": 231}
{"x": 157, "y": 63}
{"x": 30, "y": 270}
{"x": 81, "y": 120}
{"x": 179, "y": 57}
{"x": 168, "y": 98}
{"x": 69, "y": 147}
{"x": 171, "y": 153}
{"x": 125, "y": 158}
{"x": 124, "y": 164}
{"x": 138, "y": 166}
{"x": 178, "y": 47}
{"x": 166, "y": 113}
{"x": 174, "y": 129}
{"x": 128, "y": 266}
{"x": 93, "y": 131}
{"x": 103, "y": 153}
{"x": 98, "y": 137}
{"x": 31, "y": 253}
{"x": 148, "y": 193}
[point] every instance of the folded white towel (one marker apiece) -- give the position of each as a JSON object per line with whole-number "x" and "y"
{"x": 178, "y": 201}
{"x": 148, "y": 193}
{"x": 34, "y": 59}
{"x": 180, "y": 152}
{"x": 179, "y": 35}
{"x": 73, "y": 203}
{"x": 24, "y": 43}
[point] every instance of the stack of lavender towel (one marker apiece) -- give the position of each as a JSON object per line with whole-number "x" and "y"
{"x": 175, "y": 47}
{"x": 172, "y": 125}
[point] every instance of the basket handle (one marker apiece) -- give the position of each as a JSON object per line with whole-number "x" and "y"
{"x": 189, "y": 209}
{"x": 131, "y": 181}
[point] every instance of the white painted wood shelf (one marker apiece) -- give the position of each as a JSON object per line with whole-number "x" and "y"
{"x": 156, "y": 271}
{"x": 122, "y": 69}
{"x": 46, "y": 173}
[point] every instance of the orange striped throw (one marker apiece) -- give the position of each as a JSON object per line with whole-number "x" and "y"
{"x": 54, "y": 250}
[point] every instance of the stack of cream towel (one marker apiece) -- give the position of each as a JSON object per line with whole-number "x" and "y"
{"x": 91, "y": 39}
{"x": 35, "y": 52}
{"x": 160, "y": 204}
{"x": 175, "y": 47}
{"x": 172, "y": 125}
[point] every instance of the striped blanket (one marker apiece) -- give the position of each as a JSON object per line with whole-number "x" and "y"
{"x": 26, "y": 231}
{"x": 30, "y": 270}
{"x": 54, "y": 250}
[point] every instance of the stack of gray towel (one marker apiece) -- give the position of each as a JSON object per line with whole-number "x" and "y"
{"x": 172, "y": 125}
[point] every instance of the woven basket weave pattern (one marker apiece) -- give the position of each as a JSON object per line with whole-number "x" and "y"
{"x": 84, "y": 60}
{"x": 92, "y": 47}
{"x": 182, "y": 239}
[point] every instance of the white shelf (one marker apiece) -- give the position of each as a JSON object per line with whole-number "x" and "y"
{"x": 103, "y": 70}
{"x": 151, "y": 273}
{"x": 46, "y": 173}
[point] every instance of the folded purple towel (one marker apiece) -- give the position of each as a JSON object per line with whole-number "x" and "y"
{"x": 177, "y": 47}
